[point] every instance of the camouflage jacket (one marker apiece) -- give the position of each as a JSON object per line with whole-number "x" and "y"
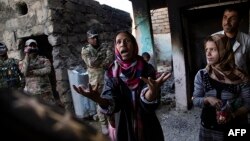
{"x": 36, "y": 72}
{"x": 10, "y": 75}
{"x": 97, "y": 60}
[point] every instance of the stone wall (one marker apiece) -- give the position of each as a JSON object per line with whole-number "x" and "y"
{"x": 64, "y": 24}
{"x": 5, "y": 14}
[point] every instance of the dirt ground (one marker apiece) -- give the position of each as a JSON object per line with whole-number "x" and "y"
{"x": 179, "y": 125}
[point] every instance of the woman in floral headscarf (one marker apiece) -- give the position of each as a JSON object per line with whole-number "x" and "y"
{"x": 131, "y": 93}
{"x": 221, "y": 90}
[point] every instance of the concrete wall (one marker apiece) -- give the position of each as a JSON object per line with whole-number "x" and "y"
{"x": 163, "y": 51}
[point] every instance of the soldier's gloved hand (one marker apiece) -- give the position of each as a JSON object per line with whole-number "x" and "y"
{"x": 27, "y": 49}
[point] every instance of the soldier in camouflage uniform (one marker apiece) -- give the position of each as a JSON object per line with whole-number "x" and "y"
{"x": 10, "y": 75}
{"x": 97, "y": 58}
{"x": 36, "y": 70}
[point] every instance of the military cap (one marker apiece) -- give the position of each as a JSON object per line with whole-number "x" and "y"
{"x": 28, "y": 42}
{"x": 92, "y": 33}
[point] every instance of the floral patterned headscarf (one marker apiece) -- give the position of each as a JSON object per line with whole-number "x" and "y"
{"x": 225, "y": 69}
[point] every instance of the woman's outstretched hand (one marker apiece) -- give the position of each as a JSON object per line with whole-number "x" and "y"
{"x": 89, "y": 92}
{"x": 154, "y": 85}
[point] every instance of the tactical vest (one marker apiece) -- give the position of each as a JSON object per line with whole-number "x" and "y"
{"x": 10, "y": 75}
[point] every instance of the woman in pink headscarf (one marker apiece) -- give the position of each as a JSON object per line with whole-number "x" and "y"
{"x": 131, "y": 93}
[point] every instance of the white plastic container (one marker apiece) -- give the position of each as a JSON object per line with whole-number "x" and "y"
{"x": 84, "y": 107}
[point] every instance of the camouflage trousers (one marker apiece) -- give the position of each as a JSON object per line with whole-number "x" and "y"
{"x": 102, "y": 117}
{"x": 67, "y": 102}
